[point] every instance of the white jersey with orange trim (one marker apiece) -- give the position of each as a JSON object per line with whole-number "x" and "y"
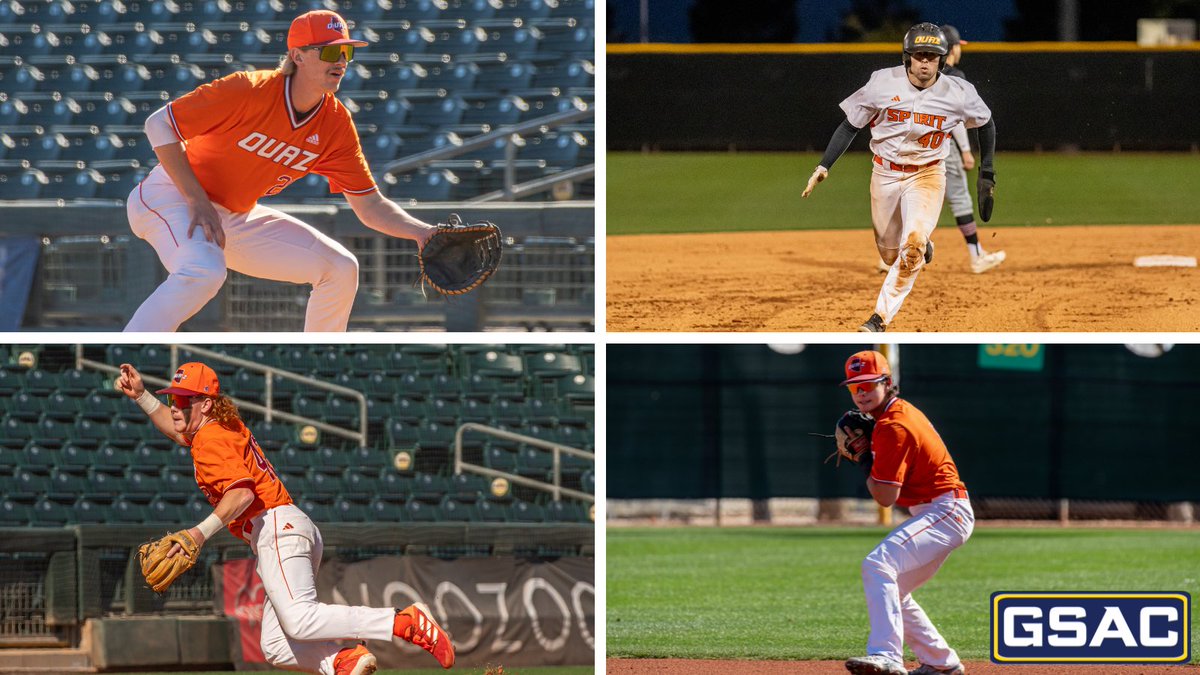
{"x": 908, "y": 125}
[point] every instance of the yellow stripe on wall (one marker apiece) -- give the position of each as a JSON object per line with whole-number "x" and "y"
{"x": 885, "y": 47}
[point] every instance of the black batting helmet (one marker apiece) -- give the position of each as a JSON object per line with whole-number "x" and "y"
{"x": 925, "y": 37}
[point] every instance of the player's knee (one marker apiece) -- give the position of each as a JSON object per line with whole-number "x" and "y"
{"x": 204, "y": 280}
{"x": 297, "y": 620}
{"x": 341, "y": 269}
{"x": 276, "y": 652}
{"x": 876, "y": 566}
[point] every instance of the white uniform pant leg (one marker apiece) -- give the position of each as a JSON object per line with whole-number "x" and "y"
{"x": 298, "y": 632}
{"x": 269, "y": 244}
{"x": 159, "y": 214}
{"x": 958, "y": 195}
{"x": 909, "y": 555}
{"x": 919, "y": 632}
{"x": 919, "y": 201}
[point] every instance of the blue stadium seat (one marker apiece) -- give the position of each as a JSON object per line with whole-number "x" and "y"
{"x": 433, "y": 108}
{"x": 120, "y": 177}
{"x": 146, "y": 11}
{"x": 374, "y": 107}
{"x": 564, "y": 74}
{"x": 21, "y": 78}
{"x": 505, "y": 76}
{"x": 17, "y": 180}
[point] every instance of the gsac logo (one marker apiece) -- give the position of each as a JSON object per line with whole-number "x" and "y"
{"x": 1100, "y": 627}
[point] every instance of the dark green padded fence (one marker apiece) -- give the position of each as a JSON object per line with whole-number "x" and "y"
{"x": 1095, "y": 422}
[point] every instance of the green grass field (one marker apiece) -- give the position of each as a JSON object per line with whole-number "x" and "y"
{"x": 718, "y": 192}
{"x": 796, "y": 593}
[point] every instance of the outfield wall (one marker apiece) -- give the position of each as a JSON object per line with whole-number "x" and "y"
{"x": 1091, "y": 422}
{"x": 785, "y": 97}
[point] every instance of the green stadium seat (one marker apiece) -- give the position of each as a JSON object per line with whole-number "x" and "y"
{"x": 40, "y": 382}
{"x": 112, "y": 456}
{"x": 80, "y": 383}
{"x": 565, "y": 511}
{"x": 153, "y": 454}
{"x": 580, "y": 391}
{"x": 248, "y": 384}
{"x": 492, "y": 512}
{"x": 588, "y": 480}
{"x": 500, "y": 458}
{"x": 475, "y": 410}
{"x": 25, "y": 406}
{"x": 161, "y": 510}
{"x": 86, "y": 510}
{"x": 49, "y": 512}
{"x": 10, "y": 382}
{"x": 430, "y": 488}
{"x": 141, "y": 484}
{"x": 99, "y": 405}
{"x": 38, "y": 457}
{"x": 156, "y": 360}
{"x": 176, "y": 483}
{"x": 468, "y": 487}
{"x": 386, "y": 510}
{"x": 14, "y": 514}
{"x": 272, "y": 435}
{"x": 402, "y": 434}
{"x": 62, "y": 406}
{"x": 343, "y": 411}
{"x": 9, "y": 459}
{"x": 293, "y": 455}
{"x": 540, "y": 412}
{"x": 283, "y": 389}
{"x": 318, "y": 512}
{"x": 348, "y": 511}
{"x": 310, "y": 406}
{"x": 26, "y": 484}
{"x": 422, "y": 512}
{"x": 323, "y": 487}
{"x": 509, "y": 411}
{"x": 454, "y": 510}
{"x": 430, "y": 359}
{"x": 125, "y": 512}
{"x": 297, "y": 359}
{"x": 527, "y": 512}
{"x": 394, "y": 484}
{"x": 445, "y": 410}
{"x": 51, "y": 432}
{"x": 197, "y": 508}
{"x": 331, "y": 361}
{"x": 76, "y": 457}
{"x": 369, "y": 459}
{"x": 90, "y": 432}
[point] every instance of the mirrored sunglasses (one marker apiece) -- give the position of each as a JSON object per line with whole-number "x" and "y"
{"x": 333, "y": 53}
{"x": 864, "y": 387}
{"x": 180, "y": 401}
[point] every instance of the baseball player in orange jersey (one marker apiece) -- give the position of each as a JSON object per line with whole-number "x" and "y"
{"x": 911, "y": 109}
{"x": 910, "y": 466}
{"x": 232, "y": 141}
{"x": 298, "y": 633}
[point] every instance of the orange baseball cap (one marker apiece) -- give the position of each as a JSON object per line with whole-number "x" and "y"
{"x": 866, "y": 366}
{"x": 193, "y": 379}
{"x": 320, "y": 27}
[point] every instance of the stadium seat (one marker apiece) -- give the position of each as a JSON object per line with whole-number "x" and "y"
{"x": 79, "y": 383}
{"x": 350, "y": 511}
{"x": 455, "y": 510}
{"x": 500, "y": 458}
{"x": 119, "y": 176}
{"x": 47, "y": 109}
{"x": 272, "y": 436}
{"x": 394, "y": 484}
{"x": 126, "y": 512}
{"x": 26, "y": 485}
{"x": 25, "y": 406}
{"x": 564, "y": 511}
{"x": 14, "y": 514}
{"x": 527, "y": 512}
{"x": 422, "y": 512}
{"x": 492, "y": 512}
{"x": 343, "y": 411}
{"x": 323, "y": 487}
{"x": 48, "y": 512}
{"x": 161, "y": 510}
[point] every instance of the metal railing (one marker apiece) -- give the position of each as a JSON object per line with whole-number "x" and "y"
{"x": 508, "y": 134}
{"x": 555, "y": 489}
{"x": 268, "y": 411}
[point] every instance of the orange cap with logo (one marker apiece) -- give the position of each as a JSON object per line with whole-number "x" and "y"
{"x": 320, "y": 27}
{"x": 866, "y": 366}
{"x": 193, "y": 379}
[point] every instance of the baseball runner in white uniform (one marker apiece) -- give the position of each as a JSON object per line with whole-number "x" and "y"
{"x": 230, "y": 142}
{"x": 911, "y": 110}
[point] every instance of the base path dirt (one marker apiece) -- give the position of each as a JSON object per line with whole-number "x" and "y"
{"x": 1055, "y": 279}
{"x": 706, "y": 667}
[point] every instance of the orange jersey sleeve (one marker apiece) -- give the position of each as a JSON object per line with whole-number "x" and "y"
{"x": 910, "y": 453}
{"x": 244, "y": 140}
{"x": 225, "y": 459}
{"x": 205, "y": 109}
{"x": 344, "y": 163}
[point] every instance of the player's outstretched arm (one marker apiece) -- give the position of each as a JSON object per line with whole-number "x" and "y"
{"x": 842, "y": 137}
{"x": 384, "y": 215}
{"x": 129, "y": 382}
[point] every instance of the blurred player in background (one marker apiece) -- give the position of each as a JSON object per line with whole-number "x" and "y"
{"x": 958, "y": 196}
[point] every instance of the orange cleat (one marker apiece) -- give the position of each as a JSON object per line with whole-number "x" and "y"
{"x": 354, "y": 661}
{"x": 415, "y": 624}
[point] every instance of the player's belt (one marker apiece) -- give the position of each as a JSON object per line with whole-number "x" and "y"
{"x": 906, "y": 168}
{"x": 958, "y": 494}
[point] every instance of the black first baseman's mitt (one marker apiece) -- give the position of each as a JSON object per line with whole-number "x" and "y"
{"x": 853, "y": 437}
{"x": 460, "y": 257}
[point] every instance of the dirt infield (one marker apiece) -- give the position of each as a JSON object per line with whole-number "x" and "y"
{"x": 1055, "y": 279}
{"x": 698, "y": 667}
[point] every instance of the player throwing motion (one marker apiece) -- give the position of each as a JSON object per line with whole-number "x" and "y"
{"x": 298, "y": 632}
{"x": 228, "y": 143}
{"x": 911, "y": 110}
{"x": 907, "y": 464}
{"x": 958, "y": 196}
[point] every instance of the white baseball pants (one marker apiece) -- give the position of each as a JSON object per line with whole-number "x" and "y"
{"x": 264, "y": 243}
{"x": 904, "y": 211}
{"x": 299, "y": 633}
{"x": 907, "y": 558}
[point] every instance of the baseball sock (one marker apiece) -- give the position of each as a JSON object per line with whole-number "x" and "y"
{"x": 966, "y": 225}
